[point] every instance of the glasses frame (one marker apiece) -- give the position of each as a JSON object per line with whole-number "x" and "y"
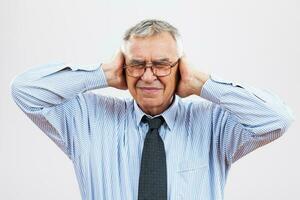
{"x": 171, "y": 65}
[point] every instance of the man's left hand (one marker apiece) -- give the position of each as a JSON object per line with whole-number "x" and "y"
{"x": 191, "y": 80}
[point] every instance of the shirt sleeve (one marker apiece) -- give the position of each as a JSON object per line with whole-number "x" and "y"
{"x": 52, "y": 97}
{"x": 244, "y": 118}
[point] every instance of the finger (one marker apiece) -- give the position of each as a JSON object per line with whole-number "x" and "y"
{"x": 183, "y": 65}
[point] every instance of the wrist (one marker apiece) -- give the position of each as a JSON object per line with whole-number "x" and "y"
{"x": 200, "y": 79}
{"x": 108, "y": 73}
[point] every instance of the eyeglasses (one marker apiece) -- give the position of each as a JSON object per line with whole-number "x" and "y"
{"x": 158, "y": 68}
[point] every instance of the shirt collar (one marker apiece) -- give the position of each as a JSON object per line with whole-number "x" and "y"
{"x": 169, "y": 115}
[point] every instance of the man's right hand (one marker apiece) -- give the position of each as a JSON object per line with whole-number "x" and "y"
{"x": 115, "y": 76}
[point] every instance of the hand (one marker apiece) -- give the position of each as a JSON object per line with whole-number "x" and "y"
{"x": 114, "y": 73}
{"x": 191, "y": 80}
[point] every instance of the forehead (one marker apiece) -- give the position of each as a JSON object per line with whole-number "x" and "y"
{"x": 154, "y": 47}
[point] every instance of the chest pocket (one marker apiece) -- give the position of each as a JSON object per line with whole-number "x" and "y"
{"x": 191, "y": 178}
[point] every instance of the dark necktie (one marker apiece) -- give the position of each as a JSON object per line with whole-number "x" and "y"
{"x": 153, "y": 172}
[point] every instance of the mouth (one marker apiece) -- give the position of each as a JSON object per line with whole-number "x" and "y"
{"x": 150, "y": 90}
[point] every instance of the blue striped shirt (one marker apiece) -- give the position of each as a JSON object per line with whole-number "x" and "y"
{"x": 103, "y": 136}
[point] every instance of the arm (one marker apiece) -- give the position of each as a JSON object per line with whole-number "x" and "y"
{"x": 52, "y": 96}
{"x": 50, "y": 85}
{"x": 244, "y": 118}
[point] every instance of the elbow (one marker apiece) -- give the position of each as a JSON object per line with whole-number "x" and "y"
{"x": 17, "y": 91}
{"x": 14, "y": 88}
{"x": 286, "y": 119}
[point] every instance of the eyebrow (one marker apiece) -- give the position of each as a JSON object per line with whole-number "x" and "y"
{"x": 162, "y": 60}
{"x": 143, "y": 61}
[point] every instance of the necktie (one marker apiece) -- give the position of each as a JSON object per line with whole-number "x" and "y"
{"x": 153, "y": 172}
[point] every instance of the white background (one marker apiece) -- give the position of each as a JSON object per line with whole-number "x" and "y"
{"x": 256, "y": 42}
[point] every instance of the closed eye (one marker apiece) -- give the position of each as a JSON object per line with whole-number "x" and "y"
{"x": 137, "y": 65}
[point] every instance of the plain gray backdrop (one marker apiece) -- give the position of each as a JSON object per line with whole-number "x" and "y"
{"x": 255, "y": 42}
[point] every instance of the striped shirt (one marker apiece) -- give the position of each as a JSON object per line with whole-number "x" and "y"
{"x": 103, "y": 136}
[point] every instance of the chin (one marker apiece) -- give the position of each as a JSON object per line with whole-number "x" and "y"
{"x": 151, "y": 102}
{"x": 148, "y": 103}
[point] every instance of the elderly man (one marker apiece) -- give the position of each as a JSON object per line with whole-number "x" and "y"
{"x": 154, "y": 146}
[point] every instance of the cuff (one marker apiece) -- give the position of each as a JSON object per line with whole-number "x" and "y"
{"x": 215, "y": 87}
{"x": 95, "y": 78}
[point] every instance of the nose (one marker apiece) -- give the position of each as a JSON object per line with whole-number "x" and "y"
{"x": 148, "y": 75}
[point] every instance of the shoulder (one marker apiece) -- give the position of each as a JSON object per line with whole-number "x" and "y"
{"x": 196, "y": 104}
{"x": 107, "y": 103}
{"x": 199, "y": 107}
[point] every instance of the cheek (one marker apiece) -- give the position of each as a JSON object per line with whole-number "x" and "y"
{"x": 131, "y": 85}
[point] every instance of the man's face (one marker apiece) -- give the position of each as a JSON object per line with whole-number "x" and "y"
{"x": 153, "y": 94}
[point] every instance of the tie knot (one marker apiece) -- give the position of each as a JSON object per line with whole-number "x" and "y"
{"x": 154, "y": 123}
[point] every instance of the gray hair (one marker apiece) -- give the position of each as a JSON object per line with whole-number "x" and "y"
{"x": 151, "y": 27}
